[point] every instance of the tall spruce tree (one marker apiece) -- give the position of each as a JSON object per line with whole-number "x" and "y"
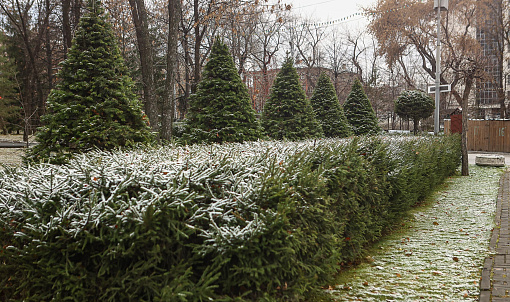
{"x": 359, "y": 112}
{"x": 221, "y": 110}
{"x": 327, "y": 109}
{"x": 93, "y": 106}
{"x": 288, "y": 114}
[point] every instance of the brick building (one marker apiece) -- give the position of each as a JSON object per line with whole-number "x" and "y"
{"x": 259, "y": 84}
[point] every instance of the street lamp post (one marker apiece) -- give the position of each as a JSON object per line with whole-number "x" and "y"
{"x": 439, "y": 6}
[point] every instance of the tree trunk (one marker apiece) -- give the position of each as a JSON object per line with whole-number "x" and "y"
{"x": 168, "y": 104}
{"x": 265, "y": 88}
{"x": 501, "y": 89}
{"x": 66, "y": 26}
{"x": 465, "y": 96}
{"x": 416, "y": 122}
{"x": 140, "y": 21}
{"x": 198, "y": 43}
{"x": 183, "y": 100}
{"x": 35, "y": 94}
{"x": 49, "y": 53}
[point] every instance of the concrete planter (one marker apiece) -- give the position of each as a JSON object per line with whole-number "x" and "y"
{"x": 490, "y": 160}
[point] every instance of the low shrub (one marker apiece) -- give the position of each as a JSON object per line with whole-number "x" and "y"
{"x": 260, "y": 221}
{"x": 178, "y": 129}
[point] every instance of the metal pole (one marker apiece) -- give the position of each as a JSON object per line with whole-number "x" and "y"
{"x": 438, "y": 69}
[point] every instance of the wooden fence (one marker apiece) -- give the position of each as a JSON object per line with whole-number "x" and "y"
{"x": 486, "y": 135}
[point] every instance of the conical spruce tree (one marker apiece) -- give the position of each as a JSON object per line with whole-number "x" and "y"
{"x": 93, "y": 106}
{"x": 359, "y": 112}
{"x": 288, "y": 114}
{"x": 221, "y": 110}
{"x": 327, "y": 109}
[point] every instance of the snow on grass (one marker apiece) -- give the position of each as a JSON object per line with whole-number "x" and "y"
{"x": 438, "y": 256}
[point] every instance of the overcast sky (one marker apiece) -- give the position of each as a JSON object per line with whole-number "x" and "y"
{"x": 330, "y": 10}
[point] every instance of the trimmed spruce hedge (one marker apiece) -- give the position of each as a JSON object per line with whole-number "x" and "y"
{"x": 260, "y": 221}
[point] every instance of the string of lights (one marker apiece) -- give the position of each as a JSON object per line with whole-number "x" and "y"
{"x": 359, "y": 14}
{"x": 352, "y": 17}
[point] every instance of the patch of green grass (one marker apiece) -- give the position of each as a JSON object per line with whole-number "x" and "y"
{"x": 438, "y": 252}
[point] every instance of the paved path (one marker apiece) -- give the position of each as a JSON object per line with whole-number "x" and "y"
{"x": 4, "y": 144}
{"x": 495, "y": 282}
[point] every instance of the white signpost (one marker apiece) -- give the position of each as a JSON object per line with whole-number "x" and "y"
{"x": 442, "y": 88}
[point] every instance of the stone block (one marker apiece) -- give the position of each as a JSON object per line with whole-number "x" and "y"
{"x": 485, "y": 296}
{"x": 492, "y": 160}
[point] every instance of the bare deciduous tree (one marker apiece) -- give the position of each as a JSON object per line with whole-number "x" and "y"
{"x": 305, "y": 39}
{"x": 145, "y": 49}
{"x": 410, "y": 26}
{"x": 168, "y": 103}
{"x": 29, "y": 21}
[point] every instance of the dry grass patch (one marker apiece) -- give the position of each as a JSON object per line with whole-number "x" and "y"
{"x": 12, "y": 156}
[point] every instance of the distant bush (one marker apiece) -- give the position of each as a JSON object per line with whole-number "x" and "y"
{"x": 178, "y": 129}
{"x": 415, "y": 105}
{"x": 260, "y": 221}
